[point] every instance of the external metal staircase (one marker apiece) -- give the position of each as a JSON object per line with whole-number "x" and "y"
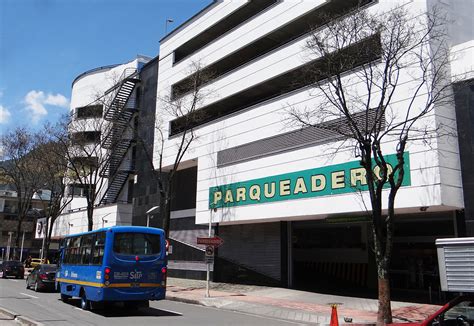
{"x": 119, "y": 136}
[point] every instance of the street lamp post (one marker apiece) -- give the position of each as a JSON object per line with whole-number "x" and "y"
{"x": 149, "y": 214}
{"x": 104, "y": 220}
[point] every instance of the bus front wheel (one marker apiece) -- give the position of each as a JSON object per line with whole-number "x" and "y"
{"x": 65, "y": 297}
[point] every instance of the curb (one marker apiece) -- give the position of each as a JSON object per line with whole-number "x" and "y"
{"x": 27, "y": 321}
{"x": 9, "y": 313}
{"x": 185, "y": 300}
{"x": 209, "y": 304}
{"x": 21, "y": 319}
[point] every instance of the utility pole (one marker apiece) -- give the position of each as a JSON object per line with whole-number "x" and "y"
{"x": 208, "y": 265}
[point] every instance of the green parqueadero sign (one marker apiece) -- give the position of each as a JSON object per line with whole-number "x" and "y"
{"x": 324, "y": 181}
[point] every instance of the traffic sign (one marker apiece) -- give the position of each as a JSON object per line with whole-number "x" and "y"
{"x": 209, "y": 255}
{"x": 214, "y": 241}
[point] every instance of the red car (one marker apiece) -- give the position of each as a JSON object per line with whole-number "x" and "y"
{"x": 457, "y": 312}
{"x": 42, "y": 277}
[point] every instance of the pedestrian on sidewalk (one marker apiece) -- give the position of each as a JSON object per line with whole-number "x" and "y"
{"x": 28, "y": 262}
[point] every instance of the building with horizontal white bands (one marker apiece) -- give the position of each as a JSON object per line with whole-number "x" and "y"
{"x": 104, "y": 111}
{"x": 273, "y": 231}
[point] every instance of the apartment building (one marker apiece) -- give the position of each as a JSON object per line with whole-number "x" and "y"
{"x": 9, "y": 224}
{"x": 244, "y": 145}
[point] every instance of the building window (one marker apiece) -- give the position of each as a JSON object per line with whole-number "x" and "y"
{"x": 79, "y": 190}
{"x": 10, "y": 207}
{"x": 85, "y": 163}
{"x": 89, "y": 111}
{"x": 85, "y": 137}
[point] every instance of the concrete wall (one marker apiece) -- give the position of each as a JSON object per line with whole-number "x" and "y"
{"x": 104, "y": 216}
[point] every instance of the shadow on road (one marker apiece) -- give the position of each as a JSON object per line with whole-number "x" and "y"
{"x": 118, "y": 310}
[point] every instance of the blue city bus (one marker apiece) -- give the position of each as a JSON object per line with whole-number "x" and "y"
{"x": 116, "y": 264}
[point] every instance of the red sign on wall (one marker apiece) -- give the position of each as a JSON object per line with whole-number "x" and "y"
{"x": 214, "y": 241}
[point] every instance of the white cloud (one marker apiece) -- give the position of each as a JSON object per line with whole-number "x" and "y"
{"x": 57, "y": 100}
{"x": 4, "y": 114}
{"x": 36, "y": 101}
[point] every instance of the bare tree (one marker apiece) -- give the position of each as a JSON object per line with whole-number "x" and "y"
{"x": 21, "y": 170}
{"x": 80, "y": 141}
{"x": 51, "y": 156}
{"x": 380, "y": 75}
{"x": 183, "y": 110}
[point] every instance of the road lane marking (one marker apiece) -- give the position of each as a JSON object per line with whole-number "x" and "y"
{"x": 14, "y": 280}
{"x": 171, "y": 311}
{"x": 29, "y": 295}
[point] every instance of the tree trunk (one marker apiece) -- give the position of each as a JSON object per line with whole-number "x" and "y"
{"x": 90, "y": 218}
{"x": 18, "y": 232}
{"x": 167, "y": 216}
{"x": 384, "y": 314}
{"x": 165, "y": 201}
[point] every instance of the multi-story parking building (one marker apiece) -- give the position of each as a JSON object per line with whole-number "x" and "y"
{"x": 254, "y": 51}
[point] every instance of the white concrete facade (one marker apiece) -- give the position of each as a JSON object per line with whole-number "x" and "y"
{"x": 74, "y": 222}
{"x": 434, "y": 168}
{"x": 88, "y": 89}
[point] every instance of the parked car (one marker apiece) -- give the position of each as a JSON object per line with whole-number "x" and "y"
{"x": 12, "y": 268}
{"x": 457, "y": 312}
{"x": 37, "y": 261}
{"x": 42, "y": 277}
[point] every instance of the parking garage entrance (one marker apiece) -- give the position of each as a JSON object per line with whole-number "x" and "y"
{"x": 330, "y": 257}
{"x": 335, "y": 256}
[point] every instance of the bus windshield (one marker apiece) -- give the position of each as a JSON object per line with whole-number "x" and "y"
{"x": 133, "y": 243}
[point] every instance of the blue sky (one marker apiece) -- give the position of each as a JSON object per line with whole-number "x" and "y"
{"x": 45, "y": 44}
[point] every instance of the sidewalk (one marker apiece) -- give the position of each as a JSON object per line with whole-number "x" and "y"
{"x": 293, "y": 305}
{"x": 9, "y": 318}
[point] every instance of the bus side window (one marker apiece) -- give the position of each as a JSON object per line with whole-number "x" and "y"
{"x": 74, "y": 251}
{"x": 98, "y": 251}
{"x": 86, "y": 249}
{"x": 67, "y": 251}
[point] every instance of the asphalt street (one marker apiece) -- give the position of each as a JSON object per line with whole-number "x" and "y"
{"x": 47, "y": 308}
